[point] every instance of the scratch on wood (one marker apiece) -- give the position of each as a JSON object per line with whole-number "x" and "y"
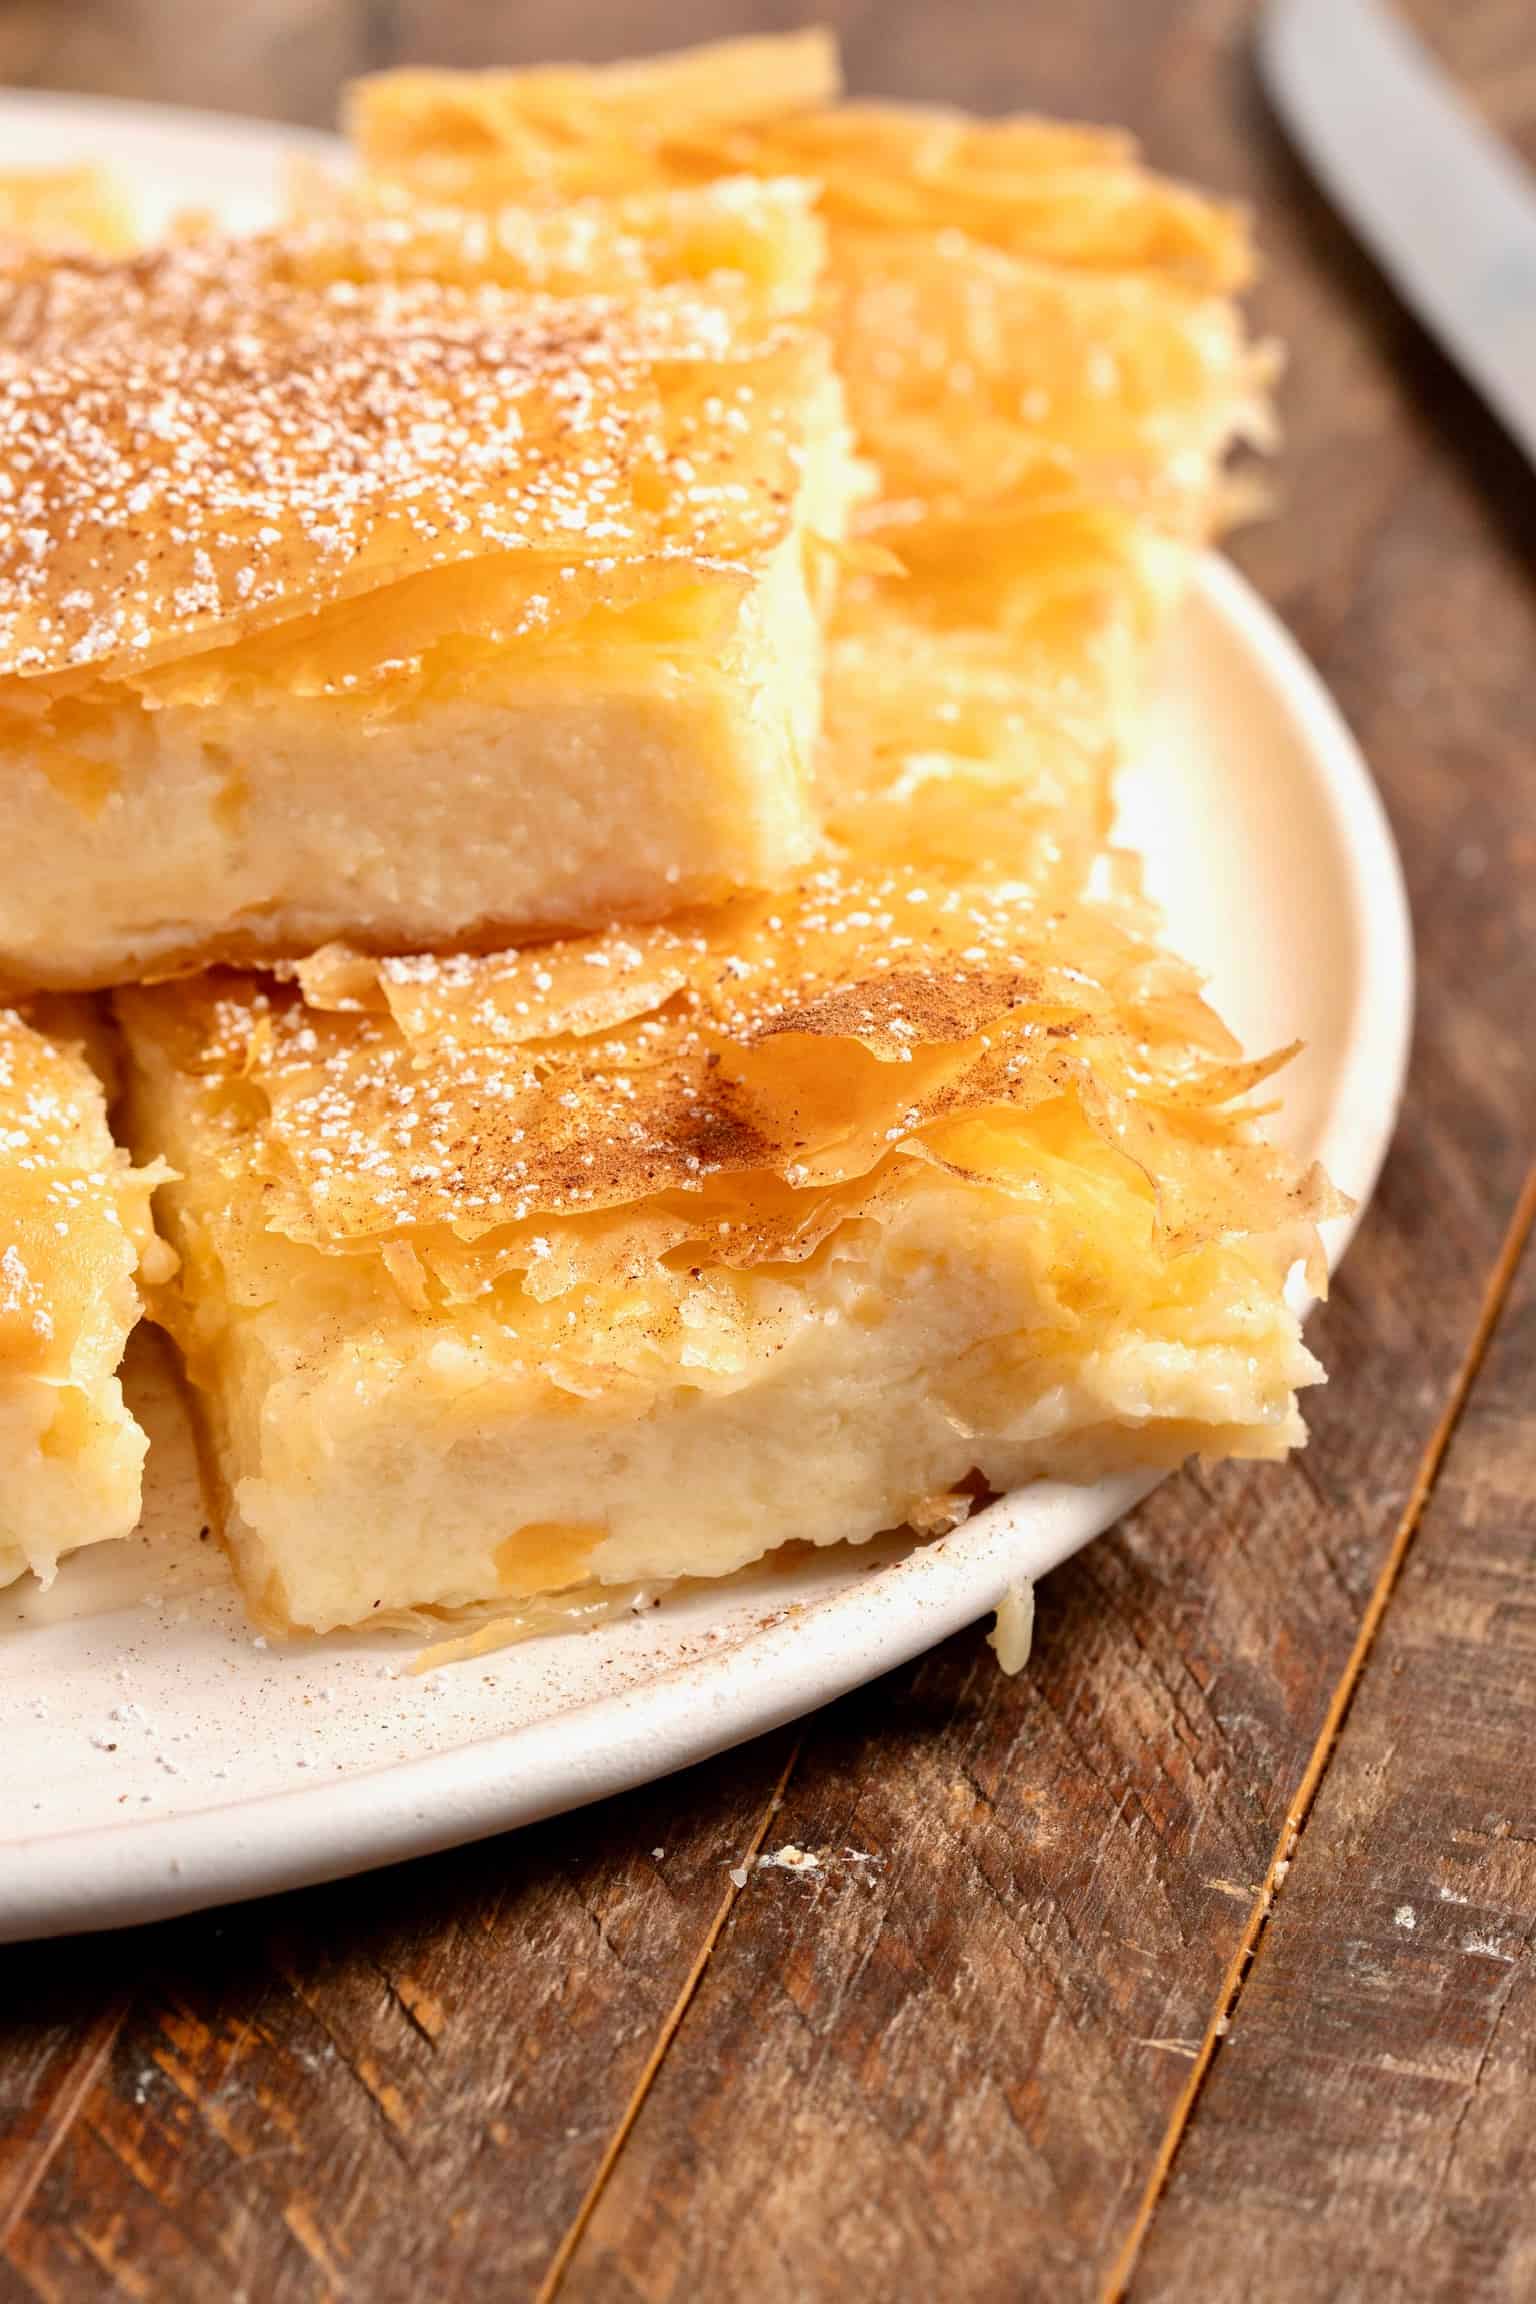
{"x": 125, "y": 2152}
{"x": 424, "y": 2008}
{"x": 301, "y": 2223}
{"x": 71, "y": 2094}
{"x": 209, "y": 2104}
{"x": 560, "y": 2262}
{"x": 372, "y": 2085}
{"x": 384, "y": 2093}
{"x": 103, "y": 2252}
{"x": 1500, "y": 1281}
{"x": 421, "y": 2010}
{"x": 244, "y": 2033}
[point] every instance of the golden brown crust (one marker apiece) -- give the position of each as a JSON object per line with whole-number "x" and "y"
{"x": 198, "y": 442}
{"x": 745, "y": 1078}
{"x": 402, "y": 120}
{"x": 1048, "y": 189}
{"x": 1008, "y": 299}
{"x": 974, "y": 376}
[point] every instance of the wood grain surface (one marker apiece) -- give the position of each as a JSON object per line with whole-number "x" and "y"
{"x": 1198, "y": 1961}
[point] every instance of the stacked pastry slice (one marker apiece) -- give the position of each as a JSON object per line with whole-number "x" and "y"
{"x": 983, "y": 687}
{"x": 692, "y": 1075}
{"x": 350, "y": 587}
{"x": 1001, "y": 296}
{"x": 1044, "y": 367}
{"x": 636, "y": 1255}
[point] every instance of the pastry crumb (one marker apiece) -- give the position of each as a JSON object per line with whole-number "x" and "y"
{"x": 940, "y": 1514}
{"x": 789, "y": 1858}
{"x": 1011, "y": 1636}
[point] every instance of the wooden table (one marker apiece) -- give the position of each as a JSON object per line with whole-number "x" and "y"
{"x": 1198, "y": 1962}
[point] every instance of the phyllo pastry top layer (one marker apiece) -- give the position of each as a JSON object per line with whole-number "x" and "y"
{"x": 204, "y": 441}
{"x": 729, "y": 1087}
{"x": 1002, "y": 295}
{"x": 1052, "y": 189}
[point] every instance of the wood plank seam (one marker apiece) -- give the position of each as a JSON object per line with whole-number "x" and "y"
{"x": 560, "y": 2263}
{"x": 1495, "y": 1295}
{"x": 75, "y": 2087}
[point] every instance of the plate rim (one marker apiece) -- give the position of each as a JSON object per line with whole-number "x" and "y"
{"x": 269, "y": 141}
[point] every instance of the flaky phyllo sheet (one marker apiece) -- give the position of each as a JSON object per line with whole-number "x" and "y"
{"x": 587, "y": 1249}
{"x": 212, "y": 439}
{"x": 1055, "y": 189}
{"x": 983, "y": 685}
{"x": 74, "y": 1231}
{"x": 721, "y": 1074}
{"x": 1001, "y": 294}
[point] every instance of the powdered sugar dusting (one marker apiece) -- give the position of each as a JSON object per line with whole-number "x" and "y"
{"x": 200, "y": 440}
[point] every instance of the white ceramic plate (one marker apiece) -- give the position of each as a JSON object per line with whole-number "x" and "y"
{"x": 159, "y": 1757}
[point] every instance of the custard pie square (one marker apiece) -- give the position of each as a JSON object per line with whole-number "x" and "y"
{"x": 352, "y": 587}
{"x": 632, "y": 1257}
